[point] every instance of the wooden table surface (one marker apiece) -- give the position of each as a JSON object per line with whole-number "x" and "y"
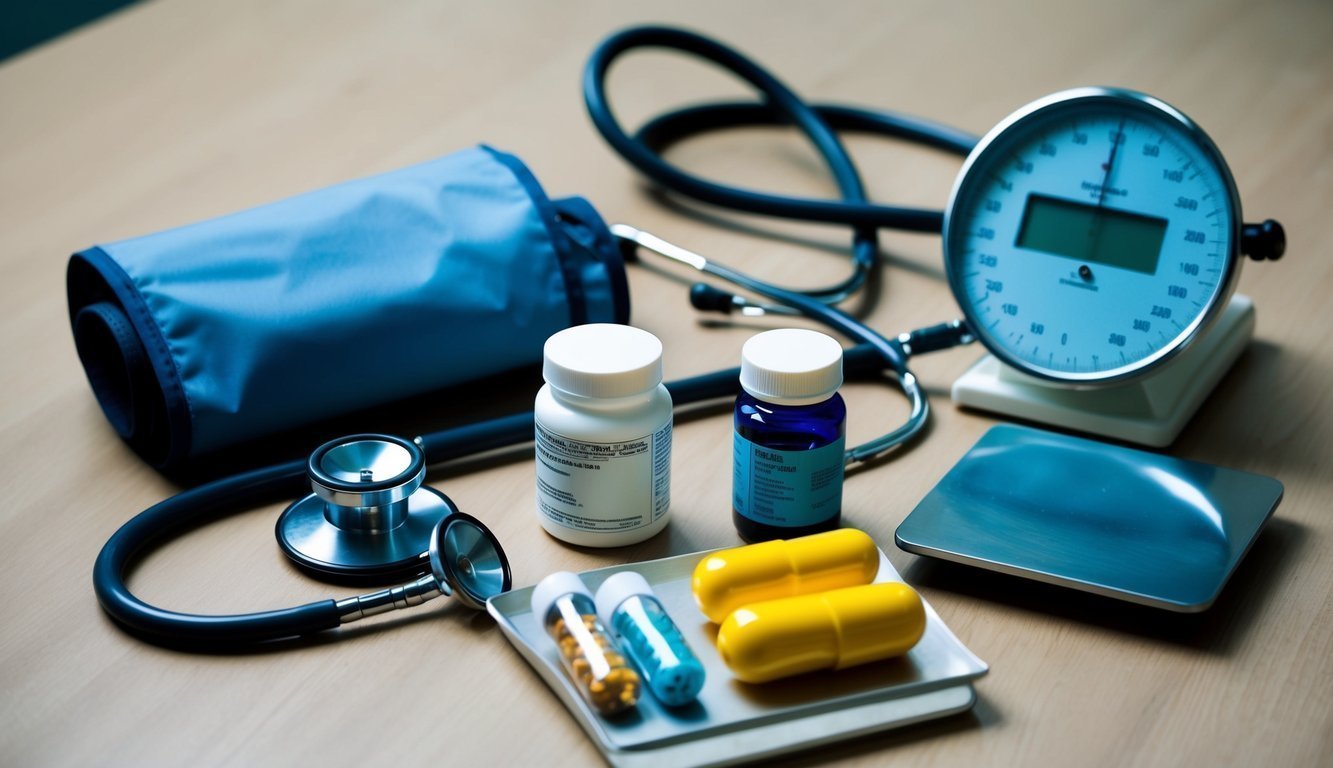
{"x": 175, "y": 111}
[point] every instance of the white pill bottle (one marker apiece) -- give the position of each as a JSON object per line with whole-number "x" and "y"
{"x": 603, "y": 437}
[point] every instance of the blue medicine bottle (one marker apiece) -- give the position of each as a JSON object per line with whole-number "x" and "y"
{"x": 790, "y": 428}
{"x": 626, "y": 604}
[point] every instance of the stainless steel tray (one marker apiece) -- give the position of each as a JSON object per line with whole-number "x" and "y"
{"x": 1137, "y": 526}
{"x": 734, "y": 721}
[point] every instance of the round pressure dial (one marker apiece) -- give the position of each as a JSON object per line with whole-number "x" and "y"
{"x": 1092, "y": 235}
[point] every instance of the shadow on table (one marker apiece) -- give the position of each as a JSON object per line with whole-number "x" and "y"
{"x": 981, "y": 715}
{"x": 1220, "y": 629}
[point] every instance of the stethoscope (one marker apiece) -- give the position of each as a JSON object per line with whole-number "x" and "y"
{"x": 367, "y": 515}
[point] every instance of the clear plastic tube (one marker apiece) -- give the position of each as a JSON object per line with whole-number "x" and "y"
{"x": 565, "y": 608}
{"x": 627, "y": 605}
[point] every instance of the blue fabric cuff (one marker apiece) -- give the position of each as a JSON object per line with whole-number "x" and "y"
{"x": 224, "y": 331}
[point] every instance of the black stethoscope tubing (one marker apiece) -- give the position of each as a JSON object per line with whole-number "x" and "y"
{"x": 873, "y": 355}
{"x": 780, "y": 106}
{"x": 205, "y": 503}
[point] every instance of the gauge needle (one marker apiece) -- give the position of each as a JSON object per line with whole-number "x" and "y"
{"x": 1117, "y": 139}
{"x": 1108, "y": 169}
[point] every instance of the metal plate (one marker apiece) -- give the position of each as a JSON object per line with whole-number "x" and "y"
{"x": 325, "y": 551}
{"x": 734, "y": 721}
{"x": 1114, "y": 521}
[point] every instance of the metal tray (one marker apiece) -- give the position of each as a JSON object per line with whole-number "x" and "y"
{"x": 733, "y": 721}
{"x": 1114, "y": 521}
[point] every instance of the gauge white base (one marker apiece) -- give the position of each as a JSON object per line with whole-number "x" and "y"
{"x": 1150, "y": 410}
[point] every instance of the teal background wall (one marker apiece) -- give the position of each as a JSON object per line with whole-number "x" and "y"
{"x": 26, "y": 23}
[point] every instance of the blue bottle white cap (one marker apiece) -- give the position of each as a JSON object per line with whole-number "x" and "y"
{"x": 618, "y": 588}
{"x": 552, "y": 588}
{"x": 791, "y": 366}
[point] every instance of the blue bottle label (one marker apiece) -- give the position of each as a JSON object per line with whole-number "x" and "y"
{"x": 787, "y": 488}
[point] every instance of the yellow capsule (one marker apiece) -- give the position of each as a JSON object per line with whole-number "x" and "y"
{"x": 831, "y": 630}
{"x": 726, "y": 580}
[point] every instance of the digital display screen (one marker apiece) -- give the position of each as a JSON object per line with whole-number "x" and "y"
{"x": 1090, "y": 233}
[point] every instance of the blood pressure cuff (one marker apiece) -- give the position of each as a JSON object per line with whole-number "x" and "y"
{"x": 217, "y": 333}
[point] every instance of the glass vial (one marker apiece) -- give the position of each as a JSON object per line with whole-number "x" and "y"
{"x": 564, "y": 607}
{"x": 603, "y": 437}
{"x": 790, "y": 426}
{"x": 626, "y": 604}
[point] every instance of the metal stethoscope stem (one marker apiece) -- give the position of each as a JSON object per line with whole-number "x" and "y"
{"x": 466, "y": 562}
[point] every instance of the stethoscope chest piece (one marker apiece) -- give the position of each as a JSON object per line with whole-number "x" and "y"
{"x": 369, "y": 517}
{"x": 466, "y": 561}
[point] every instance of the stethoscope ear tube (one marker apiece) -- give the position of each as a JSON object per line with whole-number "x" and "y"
{"x": 778, "y": 105}
{"x": 185, "y": 510}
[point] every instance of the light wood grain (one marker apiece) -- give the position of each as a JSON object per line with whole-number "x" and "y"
{"x": 173, "y": 111}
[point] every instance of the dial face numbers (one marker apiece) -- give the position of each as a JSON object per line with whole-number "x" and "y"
{"x": 1091, "y": 238}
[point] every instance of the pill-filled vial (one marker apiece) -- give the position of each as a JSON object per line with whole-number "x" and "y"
{"x": 603, "y": 436}
{"x": 788, "y": 445}
{"x": 565, "y": 609}
{"x": 627, "y": 606}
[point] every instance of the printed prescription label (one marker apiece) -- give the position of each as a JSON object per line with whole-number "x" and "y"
{"x": 603, "y": 486}
{"x": 787, "y": 488}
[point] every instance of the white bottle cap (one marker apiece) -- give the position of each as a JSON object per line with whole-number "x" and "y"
{"x": 603, "y": 360}
{"x": 552, "y": 588}
{"x": 616, "y": 590}
{"x": 791, "y": 366}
